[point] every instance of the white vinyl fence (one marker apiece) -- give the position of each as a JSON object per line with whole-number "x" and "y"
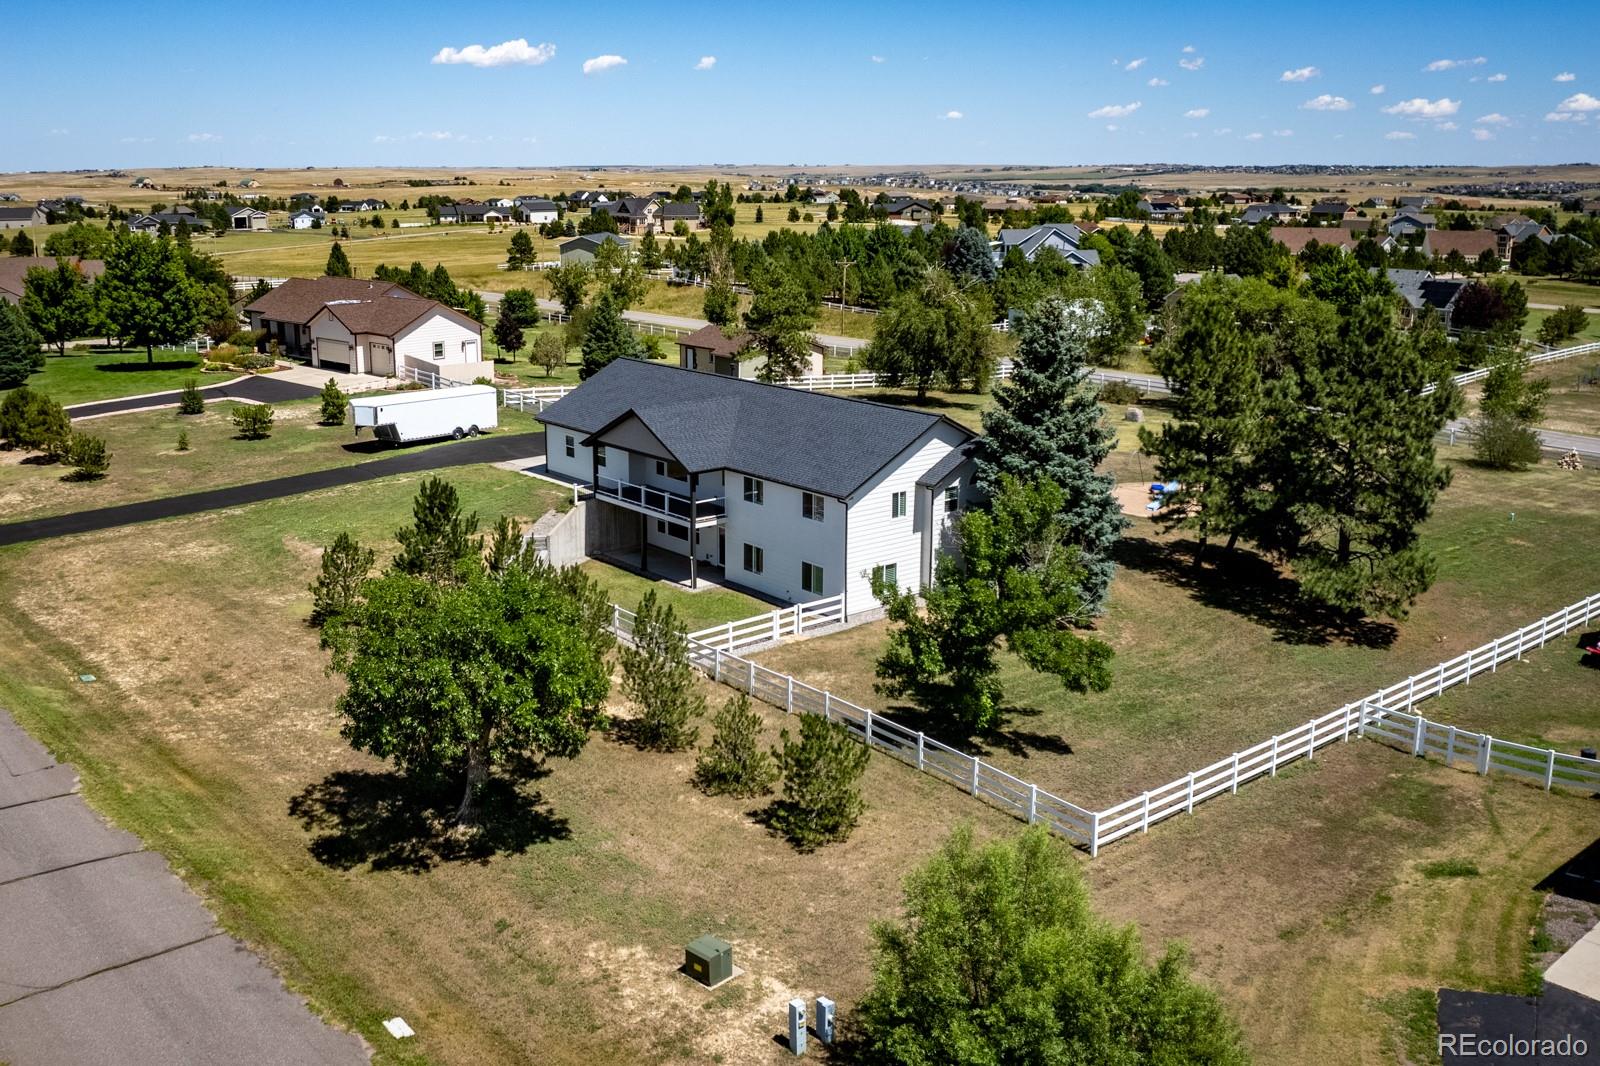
{"x": 763, "y": 630}
{"x": 1551, "y": 356}
{"x": 1145, "y": 383}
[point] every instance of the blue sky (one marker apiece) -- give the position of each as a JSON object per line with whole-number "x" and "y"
{"x": 520, "y": 84}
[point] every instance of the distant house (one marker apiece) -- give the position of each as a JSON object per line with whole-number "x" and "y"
{"x": 1161, "y": 210}
{"x": 370, "y": 327}
{"x": 822, "y": 198}
{"x": 9, "y": 197}
{"x": 247, "y": 218}
{"x": 1236, "y": 199}
{"x": 1063, "y": 237}
{"x": 363, "y": 206}
{"x": 799, "y": 496}
{"x": 634, "y": 214}
{"x": 536, "y": 210}
{"x": 1420, "y": 290}
{"x": 671, "y": 213}
{"x": 141, "y": 183}
{"x": 304, "y": 220}
{"x": 1274, "y": 213}
{"x": 1408, "y": 224}
{"x": 14, "y": 272}
{"x": 503, "y": 202}
{"x": 1516, "y": 229}
{"x": 1417, "y": 203}
{"x": 1298, "y": 238}
{"x": 178, "y": 216}
{"x": 712, "y": 351}
{"x": 1471, "y": 243}
{"x": 249, "y": 183}
{"x": 908, "y": 210}
{"x": 21, "y": 217}
{"x": 1375, "y": 201}
{"x": 588, "y": 199}
{"x": 473, "y": 213}
{"x": 1004, "y": 205}
{"x": 581, "y": 249}
{"x": 1329, "y": 211}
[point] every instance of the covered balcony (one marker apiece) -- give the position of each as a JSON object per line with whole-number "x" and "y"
{"x": 659, "y": 503}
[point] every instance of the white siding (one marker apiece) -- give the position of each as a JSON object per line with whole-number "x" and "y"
{"x": 326, "y": 327}
{"x": 415, "y": 343}
{"x": 777, "y": 526}
{"x": 580, "y": 466}
{"x": 877, "y": 538}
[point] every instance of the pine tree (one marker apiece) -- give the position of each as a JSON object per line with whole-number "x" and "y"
{"x": 735, "y": 763}
{"x": 332, "y": 403}
{"x": 508, "y": 335}
{"x": 607, "y": 337}
{"x": 338, "y": 263}
{"x": 441, "y": 540}
{"x": 87, "y": 456}
{"x": 1046, "y": 425}
{"x": 191, "y": 401}
{"x": 822, "y": 771}
{"x": 657, "y": 675}
{"x": 520, "y": 252}
{"x": 721, "y": 303}
{"x": 19, "y": 348}
{"x": 337, "y": 589}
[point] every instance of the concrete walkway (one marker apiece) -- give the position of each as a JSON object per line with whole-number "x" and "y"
{"x": 107, "y": 958}
{"x": 252, "y": 388}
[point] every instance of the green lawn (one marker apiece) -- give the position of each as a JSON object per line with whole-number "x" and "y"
{"x": 1559, "y": 291}
{"x": 697, "y": 610}
{"x": 101, "y": 375}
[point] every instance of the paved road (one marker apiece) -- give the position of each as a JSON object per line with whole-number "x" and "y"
{"x": 1557, "y": 307}
{"x": 108, "y": 959}
{"x": 1554, "y": 442}
{"x": 259, "y": 389}
{"x": 496, "y": 448}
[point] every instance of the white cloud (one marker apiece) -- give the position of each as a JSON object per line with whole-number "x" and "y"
{"x": 1422, "y": 108}
{"x": 1157, "y": 83}
{"x": 1494, "y": 118}
{"x": 203, "y": 138}
{"x": 59, "y": 132}
{"x": 1197, "y": 112}
{"x": 1566, "y": 75}
{"x": 1447, "y": 127}
{"x": 1451, "y": 64}
{"x": 1399, "y": 135}
{"x": 1188, "y": 49}
{"x": 1111, "y": 127}
{"x": 603, "y": 63}
{"x": 706, "y": 63}
{"x": 1252, "y": 136}
{"x": 1566, "y": 116}
{"x": 1135, "y": 64}
{"x": 1192, "y": 64}
{"x": 505, "y": 54}
{"x": 1496, "y": 77}
{"x": 1481, "y": 134}
{"x": 876, "y": 59}
{"x": 1116, "y": 110}
{"x": 1222, "y": 132}
{"x": 1283, "y": 133}
{"x": 1327, "y": 102}
{"x": 1378, "y": 90}
{"x": 952, "y": 115}
{"x": 1579, "y": 102}
{"x": 1301, "y": 74}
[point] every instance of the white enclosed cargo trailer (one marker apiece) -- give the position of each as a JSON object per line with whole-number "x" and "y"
{"x": 403, "y": 417}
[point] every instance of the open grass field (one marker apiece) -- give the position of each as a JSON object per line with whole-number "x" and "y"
{"x": 1573, "y": 403}
{"x": 1171, "y": 709}
{"x": 145, "y": 462}
{"x": 1591, "y": 330}
{"x": 79, "y": 377}
{"x": 210, "y": 734}
{"x": 1557, "y": 291}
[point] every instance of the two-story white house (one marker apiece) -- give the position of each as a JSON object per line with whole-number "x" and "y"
{"x": 795, "y": 495}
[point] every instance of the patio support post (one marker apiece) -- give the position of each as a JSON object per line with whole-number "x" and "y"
{"x": 694, "y": 577}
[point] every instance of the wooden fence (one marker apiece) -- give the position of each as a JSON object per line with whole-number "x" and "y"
{"x": 762, "y": 630}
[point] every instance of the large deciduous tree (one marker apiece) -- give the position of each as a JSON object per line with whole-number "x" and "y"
{"x": 936, "y": 335}
{"x": 58, "y": 303}
{"x": 1046, "y": 425}
{"x": 145, "y": 295}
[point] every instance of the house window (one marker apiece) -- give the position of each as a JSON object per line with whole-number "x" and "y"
{"x": 571, "y": 450}
{"x": 438, "y": 350}
{"x": 754, "y": 490}
{"x": 811, "y": 507}
{"x": 952, "y": 499}
{"x": 600, "y": 454}
{"x": 811, "y": 578}
{"x": 672, "y": 529}
{"x": 897, "y": 505}
{"x": 671, "y": 470}
{"x": 755, "y": 560}
{"x": 888, "y": 573}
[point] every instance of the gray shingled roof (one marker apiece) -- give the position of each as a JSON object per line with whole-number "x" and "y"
{"x": 940, "y": 472}
{"x": 808, "y": 440}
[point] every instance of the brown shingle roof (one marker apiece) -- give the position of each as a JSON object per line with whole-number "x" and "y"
{"x": 383, "y": 316}
{"x": 14, "y": 270}
{"x": 717, "y": 342}
{"x": 1469, "y": 242}
{"x": 1295, "y": 238}
{"x": 299, "y": 299}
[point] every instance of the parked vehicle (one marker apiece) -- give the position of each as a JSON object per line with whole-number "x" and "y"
{"x": 403, "y": 417}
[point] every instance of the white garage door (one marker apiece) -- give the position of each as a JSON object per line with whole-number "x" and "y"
{"x": 333, "y": 353}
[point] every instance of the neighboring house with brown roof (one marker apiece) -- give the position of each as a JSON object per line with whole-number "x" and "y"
{"x": 1297, "y": 238}
{"x": 711, "y": 351}
{"x": 14, "y": 272}
{"x": 369, "y": 327}
{"x": 1471, "y": 243}
{"x": 1332, "y": 211}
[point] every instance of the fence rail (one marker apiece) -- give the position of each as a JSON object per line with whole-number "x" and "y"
{"x": 762, "y": 630}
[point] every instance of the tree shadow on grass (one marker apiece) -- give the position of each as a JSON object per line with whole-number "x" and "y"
{"x": 1252, "y": 587}
{"x": 970, "y": 401}
{"x": 1007, "y": 736}
{"x": 385, "y": 821}
{"x": 139, "y": 366}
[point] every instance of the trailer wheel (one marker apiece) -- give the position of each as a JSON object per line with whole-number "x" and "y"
{"x": 457, "y": 434}
{"x": 473, "y": 431}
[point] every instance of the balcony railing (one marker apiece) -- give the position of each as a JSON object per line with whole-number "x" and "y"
{"x": 659, "y": 502}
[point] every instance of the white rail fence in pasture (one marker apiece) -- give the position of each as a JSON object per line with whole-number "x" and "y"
{"x": 764, "y": 630}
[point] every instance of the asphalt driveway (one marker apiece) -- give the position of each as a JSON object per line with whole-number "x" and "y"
{"x": 259, "y": 389}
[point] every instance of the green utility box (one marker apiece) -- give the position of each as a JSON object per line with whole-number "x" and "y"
{"x": 709, "y": 960}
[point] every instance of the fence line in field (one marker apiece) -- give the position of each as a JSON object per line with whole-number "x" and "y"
{"x": 759, "y": 631}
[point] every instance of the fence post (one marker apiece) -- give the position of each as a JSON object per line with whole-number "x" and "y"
{"x": 1235, "y": 773}
{"x": 1094, "y": 834}
{"x": 1361, "y": 720}
{"x": 1411, "y": 691}
{"x": 1274, "y": 763}
{"x": 920, "y": 739}
{"x": 1311, "y": 740}
{"x": 777, "y": 626}
{"x": 798, "y": 624}
{"x": 974, "y": 759}
{"x": 750, "y": 687}
{"x": 716, "y": 670}
{"x": 1144, "y": 818}
{"x": 869, "y": 727}
{"x": 788, "y": 699}
{"x": 1485, "y": 753}
{"x": 1450, "y": 746}
{"x": 1190, "y": 803}
{"x": 1033, "y": 803}
{"x": 1550, "y": 771}
{"x": 827, "y": 706}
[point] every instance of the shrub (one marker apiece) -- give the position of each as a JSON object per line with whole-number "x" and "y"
{"x": 249, "y": 339}
{"x": 1562, "y": 325}
{"x": 254, "y": 361}
{"x": 337, "y": 589}
{"x": 88, "y": 457}
{"x": 821, "y": 783}
{"x": 1504, "y": 442}
{"x": 191, "y": 401}
{"x": 1119, "y": 392}
{"x": 34, "y": 422}
{"x": 332, "y": 404}
{"x": 657, "y": 676}
{"x": 734, "y": 763}
{"x": 254, "y": 421}
{"x": 183, "y": 440}
{"x": 549, "y": 351}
